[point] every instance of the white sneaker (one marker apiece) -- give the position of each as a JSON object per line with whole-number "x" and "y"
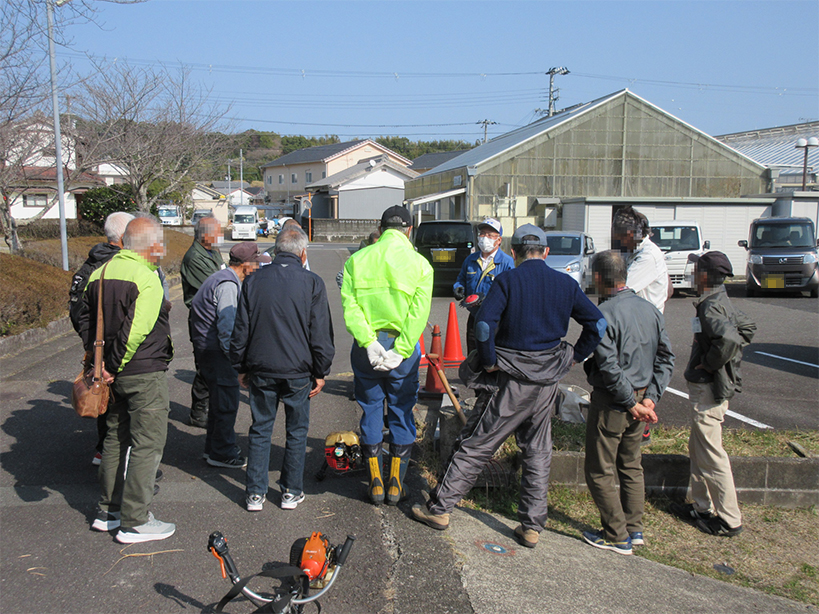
{"x": 291, "y": 501}
{"x": 152, "y": 530}
{"x": 254, "y": 503}
{"x": 105, "y": 521}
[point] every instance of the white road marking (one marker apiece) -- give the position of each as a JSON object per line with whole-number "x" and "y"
{"x": 729, "y": 413}
{"x": 799, "y": 362}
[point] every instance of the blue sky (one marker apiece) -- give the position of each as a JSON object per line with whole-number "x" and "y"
{"x": 431, "y": 70}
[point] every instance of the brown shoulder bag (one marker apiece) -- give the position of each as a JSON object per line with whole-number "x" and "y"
{"x": 90, "y": 395}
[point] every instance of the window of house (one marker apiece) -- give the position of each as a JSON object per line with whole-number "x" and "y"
{"x": 308, "y": 176}
{"x": 294, "y": 178}
{"x": 281, "y": 179}
{"x": 35, "y": 200}
{"x": 269, "y": 179}
{"x": 324, "y": 174}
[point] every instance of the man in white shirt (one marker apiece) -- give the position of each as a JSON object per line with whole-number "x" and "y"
{"x": 647, "y": 271}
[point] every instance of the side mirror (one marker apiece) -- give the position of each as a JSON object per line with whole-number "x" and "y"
{"x": 589, "y": 251}
{"x": 743, "y": 244}
{"x": 706, "y": 245}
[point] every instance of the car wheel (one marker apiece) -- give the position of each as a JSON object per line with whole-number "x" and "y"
{"x": 749, "y": 291}
{"x": 814, "y": 293}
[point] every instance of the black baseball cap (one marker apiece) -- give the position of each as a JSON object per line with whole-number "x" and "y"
{"x": 713, "y": 261}
{"x": 396, "y": 211}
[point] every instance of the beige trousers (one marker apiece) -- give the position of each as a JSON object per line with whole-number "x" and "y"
{"x": 712, "y": 482}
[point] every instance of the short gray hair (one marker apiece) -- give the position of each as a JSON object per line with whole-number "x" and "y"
{"x": 292, "y": 240}
{"x": 202, "y": 225}
{"x": 141, "y": 233}
{"x": 115, "y": 225}
{"x": 611, "y": 266}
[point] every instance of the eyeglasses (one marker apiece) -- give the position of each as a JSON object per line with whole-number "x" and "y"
{"x": 489, "y": 233}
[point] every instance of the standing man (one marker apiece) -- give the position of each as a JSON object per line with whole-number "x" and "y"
{"x": 212, "y": 315}
{"x": 202, "y": 260}
{"x": 137, "y": 351}
{"x": 386, "y": 295}
{"x": 519, "y": 332}
{"x": 629, "y": 373}
{"x": 480, "y": 269}
{"x": 647, "y": 271}
{"x": 720, "y": 333}
{"x": 282, "y": 347}
{"x": 98, "y": 255}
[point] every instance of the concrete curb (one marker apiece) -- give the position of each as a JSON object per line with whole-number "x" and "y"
{"x": 35, "y": 336}
{"x": 765, "y": 480}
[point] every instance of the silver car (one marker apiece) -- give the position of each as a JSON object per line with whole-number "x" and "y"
{"x": 569, "y": 252}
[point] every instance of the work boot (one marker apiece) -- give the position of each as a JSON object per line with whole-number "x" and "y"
{"x": 399, "y": 460}
{"x": 375, "y": 491}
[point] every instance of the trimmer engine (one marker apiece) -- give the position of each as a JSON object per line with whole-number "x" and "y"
{"x": 342, "y": 453}
{"x": 313, "y": 555}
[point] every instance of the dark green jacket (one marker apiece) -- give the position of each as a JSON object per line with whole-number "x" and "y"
{"x": 137, "y": 331}
{"x": 718, "y": 348}
{"x": 197, "y": 265}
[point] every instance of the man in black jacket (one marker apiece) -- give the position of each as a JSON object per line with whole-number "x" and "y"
{"x": 101, "y": 253}
{"x": 282, "y": 347}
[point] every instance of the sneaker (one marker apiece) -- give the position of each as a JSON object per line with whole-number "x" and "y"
{"x": 637, "y": 538}
{"x": 152, "y": 530}
{"x": 717, "y": 526}
{"x": 254, "y": 503}
{"x": 291, "y": 501}
{"x": 205, "y": 456}
{"x": 240, "y": 462}
{"x": 421, "y": 513}
{"x": 97, "y": 460}
{"x": 526, "y": 537}
{"x": 198, "y": 420}
{"x": 687, "y": 512}
{"x": 106, "y": 521}
{"x": 598, "y": 540}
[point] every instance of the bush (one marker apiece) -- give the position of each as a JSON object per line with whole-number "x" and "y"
{"x": 32, "y": 294}
{"x": 50, "y": 229}
{"x": 99, "y": 203}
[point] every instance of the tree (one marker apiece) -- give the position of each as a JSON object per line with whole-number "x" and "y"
{"x": 98, "y": 203}
{"x": 156, "y": 123}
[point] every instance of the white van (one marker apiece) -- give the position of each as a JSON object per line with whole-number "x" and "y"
{"x": 677, "y": 239}
{"x": 245, "y": 223}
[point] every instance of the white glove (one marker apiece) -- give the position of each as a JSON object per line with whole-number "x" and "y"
{"x": 376, "y": 354}
{"x": 391, "y": 361}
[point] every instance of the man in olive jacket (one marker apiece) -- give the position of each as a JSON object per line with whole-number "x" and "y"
{"x": 720, "y": 333}
{"x": 202, "y": 260}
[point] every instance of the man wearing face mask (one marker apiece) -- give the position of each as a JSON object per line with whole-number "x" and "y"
{"x": 202, "y": 260}
{"x": 480, "y": 269}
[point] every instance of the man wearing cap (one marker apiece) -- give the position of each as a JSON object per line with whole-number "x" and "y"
{"x": 213, "y": 311}
{"x": 720, "y": 333}
{"x": 480, "y": 269}
{"x": 387, "y": 294}
{"x": 519, "y": 331}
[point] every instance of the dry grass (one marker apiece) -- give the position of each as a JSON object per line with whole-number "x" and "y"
{"x": 34, "y": 288}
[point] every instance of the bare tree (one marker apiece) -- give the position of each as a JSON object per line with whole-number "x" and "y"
{"x": 156, "y": 123}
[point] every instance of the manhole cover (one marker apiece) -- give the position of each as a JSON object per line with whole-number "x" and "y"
{"x": 495, "y": 548}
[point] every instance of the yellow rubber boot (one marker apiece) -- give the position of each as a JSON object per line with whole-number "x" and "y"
{"x": 375, "y": 491}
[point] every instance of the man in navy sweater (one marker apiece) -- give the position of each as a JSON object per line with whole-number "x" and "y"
{"x": 519, "y": 331}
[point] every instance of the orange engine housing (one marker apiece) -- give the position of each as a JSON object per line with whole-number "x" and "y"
{"x": 315, "y": 557}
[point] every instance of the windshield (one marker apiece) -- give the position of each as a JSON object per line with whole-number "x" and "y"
{"x": 799, "y": 234}
{"x": 675, "y": 238}
{"x": 244, "y": 219}
{"x": 444, "y": 235}
{"x": 167, "y": 213}
{"x": 563, "y": 245}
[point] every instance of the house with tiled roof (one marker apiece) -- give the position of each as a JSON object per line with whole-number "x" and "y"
{"x": 287, "y": 177}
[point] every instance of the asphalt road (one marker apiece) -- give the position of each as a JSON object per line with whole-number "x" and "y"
{"x": 50, "y": 561}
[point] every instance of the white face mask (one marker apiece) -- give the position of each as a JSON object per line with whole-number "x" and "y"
{"x": 485, "y": 244}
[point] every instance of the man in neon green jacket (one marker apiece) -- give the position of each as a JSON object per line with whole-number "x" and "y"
{"x": 386, "y": 294}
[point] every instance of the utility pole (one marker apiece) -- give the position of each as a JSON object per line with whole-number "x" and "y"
{"x": 553, "y": 93}
{"x": 241, "y": 177}
{"x": 485, "y": 123}
{"x": 229, "y": 195}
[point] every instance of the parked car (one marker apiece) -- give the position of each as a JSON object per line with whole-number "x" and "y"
{"x": 781, "y": 255}
{"x": 199, "y": 214}
{"x": 446, "y": 244}
{"x": 677, "y": 240}
{"x": 570, "y": 253}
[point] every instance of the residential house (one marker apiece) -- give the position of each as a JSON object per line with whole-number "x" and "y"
{"x": 428, "y": 161}
{"x": 205, "y": 197}
{"x": 287, "y": 177}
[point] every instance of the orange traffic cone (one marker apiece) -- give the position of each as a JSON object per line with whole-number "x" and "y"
{"x": 433, "y": 384}
{"x": 453, "y": 351}
{"x": 424, "y": 360}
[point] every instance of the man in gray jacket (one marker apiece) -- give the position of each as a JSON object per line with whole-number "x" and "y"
{"x": 720, "y": 333}
{"x": 213, "y": 311}
{"x": 629, "y": 373}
